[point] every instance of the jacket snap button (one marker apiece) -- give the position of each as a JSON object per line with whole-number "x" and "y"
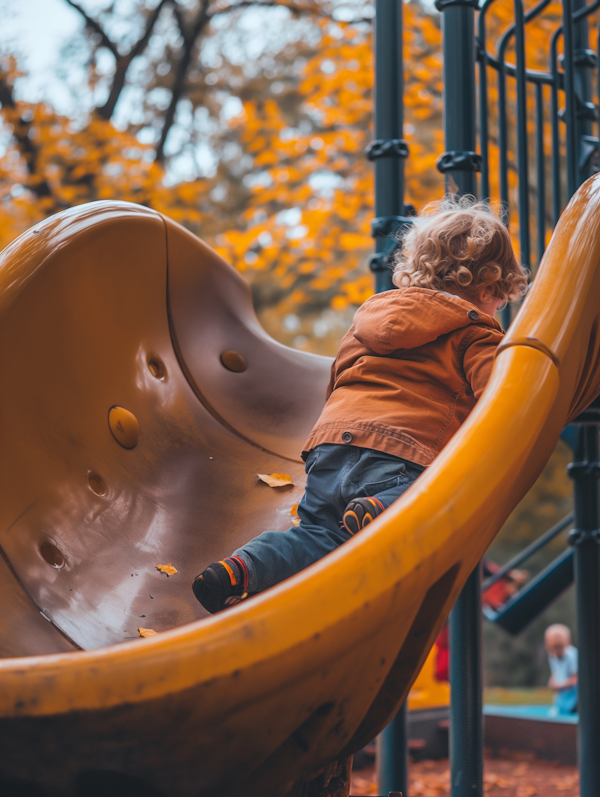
{"x": 347, "y": 437}
{"x": 473, "y": 315}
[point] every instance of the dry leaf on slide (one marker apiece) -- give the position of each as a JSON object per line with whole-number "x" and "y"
{"x": 147, "y": 631}
{"x": 276, "y": 479}
{"x": 168, "y": 570}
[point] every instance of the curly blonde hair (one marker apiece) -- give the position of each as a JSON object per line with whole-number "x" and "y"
{"x": 460, "y": 244}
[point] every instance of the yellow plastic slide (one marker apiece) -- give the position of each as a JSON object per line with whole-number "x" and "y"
{"x": 139, "y": 401}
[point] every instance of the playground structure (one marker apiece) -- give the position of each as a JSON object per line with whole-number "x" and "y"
{"x": 112, "y": 306}
{"x": 265, "y": 695}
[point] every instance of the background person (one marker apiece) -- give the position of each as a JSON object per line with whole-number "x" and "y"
{"x": 563, "y": 661}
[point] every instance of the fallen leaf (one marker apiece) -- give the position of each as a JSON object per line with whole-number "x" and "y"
{"x": 147, "y": 631}
{"x": 169, "y": 570}
{"x": 294, "y": 514}
{"x": 276, "y": 479}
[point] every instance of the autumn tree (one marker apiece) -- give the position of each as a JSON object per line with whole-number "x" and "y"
{"x": 284, "y": 191}
{"x": 247, "y": 122}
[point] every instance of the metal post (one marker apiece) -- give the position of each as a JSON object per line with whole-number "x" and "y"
{"x": 585, "y": 538}
{"x": 461, "y": 160}
{"x": 585, "y": 61}
{"x": 388, "y": 151}
{"x": 570, "y": 100}
{"x": 392, "y": 755}
{"x": 522, "y": 156}
{"x": 466, "y": 711}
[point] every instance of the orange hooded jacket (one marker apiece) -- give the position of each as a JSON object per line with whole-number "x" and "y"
{"x": 408, "y": 372}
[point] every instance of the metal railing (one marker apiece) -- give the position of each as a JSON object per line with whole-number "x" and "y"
{"x": 565, "y": 79}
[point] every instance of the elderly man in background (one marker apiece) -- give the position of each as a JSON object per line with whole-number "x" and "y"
{"x": 563, "y": 661}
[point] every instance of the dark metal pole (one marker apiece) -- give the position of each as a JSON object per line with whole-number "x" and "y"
{"x": 466, "y": 710}
{"x": 585, "y": 111}
{"x": 462, "y": 162}
{"x": 392, "y": 755}
{"x": 388, "y": 152}
{"x": 570, "y": 100}
{"x": 522, "y": 154}
{"x": 585, "y": 538}
{"x": 540, "y": 162}
{"x": 460, "y": 159}
{"x": 389, "y": 149}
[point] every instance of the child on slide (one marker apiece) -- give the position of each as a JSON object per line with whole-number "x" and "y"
{"x": 408, "y": 373}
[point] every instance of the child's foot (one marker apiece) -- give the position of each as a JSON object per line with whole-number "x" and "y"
{"x": 360, "y": 512}
{"x": 222, "y": 584}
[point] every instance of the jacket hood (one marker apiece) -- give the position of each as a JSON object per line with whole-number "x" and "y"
{"x": 411, "y": 317}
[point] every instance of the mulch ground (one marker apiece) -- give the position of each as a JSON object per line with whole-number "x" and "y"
{"x": 502, "y": 778}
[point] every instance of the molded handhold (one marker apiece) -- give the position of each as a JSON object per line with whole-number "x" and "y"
{"x": 124, "y": 426}
{"x": 234, "y": 361}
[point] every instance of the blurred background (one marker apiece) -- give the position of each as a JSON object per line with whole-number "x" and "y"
{"x": 247, "y": 123}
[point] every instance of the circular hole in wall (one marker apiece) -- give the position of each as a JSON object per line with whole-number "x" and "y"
{"x": 51, "y": 554}
{"x": 157, "y": 367}
{"x": 96, "y": 483}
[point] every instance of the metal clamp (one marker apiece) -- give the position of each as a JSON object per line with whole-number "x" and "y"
{"x": 582, "y": 470}
{"x": 578, "y": 536}
{"x": 585, "y": 110}
{"x": 457, "y": 160}
{"x": 386, "y": 225}
{"x": 585, "y": 58}
{"x": 442, "y": 5}
{"x": 588, "y": 147}
{"x": 387, "y": 148}
{"x": 390, "y": 228}
{"x": 379, "y": 262}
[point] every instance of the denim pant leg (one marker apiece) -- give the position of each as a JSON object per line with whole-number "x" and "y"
{"x": 275, "y": 555}
{"x": 382, "y": 476}
{"x": 335, "y": 475}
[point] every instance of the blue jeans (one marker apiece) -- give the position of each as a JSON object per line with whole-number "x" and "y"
{"x": 566, "y": 700}
{"x": 335, "y": 475}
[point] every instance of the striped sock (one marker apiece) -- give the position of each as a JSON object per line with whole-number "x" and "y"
{"x": 236, "y": 568}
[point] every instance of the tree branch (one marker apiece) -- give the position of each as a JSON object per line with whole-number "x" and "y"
{"x": 189, "y": 41}
{"x": 296, "y": 10}
{"x": 96, "y": 27}
{"x": 139, "y": 47}
{"x": 123, "y": 61}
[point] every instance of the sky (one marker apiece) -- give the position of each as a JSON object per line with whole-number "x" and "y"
{"x": 39, "y": 28}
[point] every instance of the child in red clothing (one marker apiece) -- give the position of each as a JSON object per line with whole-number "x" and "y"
{"x": 407, "y": 374}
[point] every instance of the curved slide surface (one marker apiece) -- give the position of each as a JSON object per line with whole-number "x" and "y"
{"x": 111, "y": 305}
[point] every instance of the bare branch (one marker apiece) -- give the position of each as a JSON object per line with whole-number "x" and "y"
{"x": 123, "y": 61}
{"x": 296, "y": 10}
{"x": 96, "y": 27}
{"x": 139, "y": 47}
{"x": 189, "y": 41}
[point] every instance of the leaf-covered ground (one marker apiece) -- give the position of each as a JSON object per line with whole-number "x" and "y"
{"x": 502, "y": 778}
